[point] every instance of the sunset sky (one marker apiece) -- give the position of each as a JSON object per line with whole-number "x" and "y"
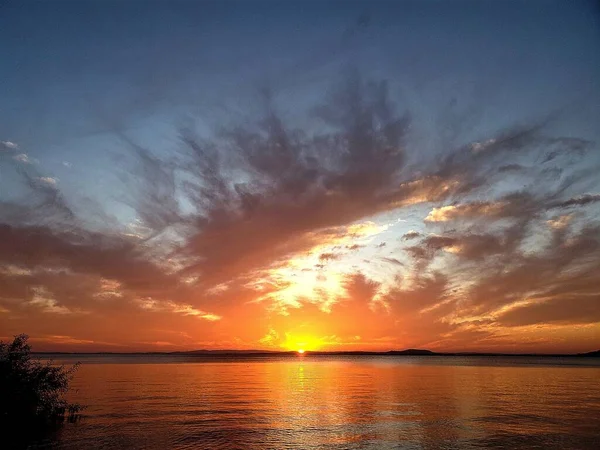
{"x": 315, "y": 175}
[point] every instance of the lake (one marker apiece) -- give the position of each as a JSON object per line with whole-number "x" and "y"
{"x": 310, "y": 402}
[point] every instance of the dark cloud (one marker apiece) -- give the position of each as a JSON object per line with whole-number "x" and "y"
{"x": 511, "y": 168}
{"x": 568, "y": 309}
{"x": 361, "y": 288}
{"x": 39, "y": 199}
{"x": 580, "y": 200}
{"x": 393, "y": 261}
{"x": 411, "y": 235}
{"x": 83, "y": 252}
{"x": 469, "y": 246}
{"x": 517, "y": 204}
{"x": 562, "y": 270}
{"x": 298, "y": 184}
{"x": 324, "y": 257}
{"x": 354, "y": 247}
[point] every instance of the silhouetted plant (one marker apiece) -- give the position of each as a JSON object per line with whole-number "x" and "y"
{"x": 32, "y": 392}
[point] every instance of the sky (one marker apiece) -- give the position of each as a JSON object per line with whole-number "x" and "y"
{"x": 300, "y": 175}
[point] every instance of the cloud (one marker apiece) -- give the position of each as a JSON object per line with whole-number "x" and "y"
{"x": 328, "y": 257}
{"x": 58, "y": 339}
{"x": 296, "y": 189}
{"x": 393, "y": 261}
{"x": 150, "y": 304}
{"x": 580, "y": 200}
{"x": 511, "y": 205}
{"x": 568, "y": 309}
{"x": 447, "y": 213}
{"x": 109, "y": 289}
{"x": 470, "y": 246}
{"x": 9, "y": 145}
{"x": 560, "y": 222}
{"x": 270, "y": 339}
{"x": 560, "y": 274}
{"x": 80, "y": 251}
{"x": 411, "y": 235}
{"x": 511, "y": 168}
{"x": 47, "y": 304}
{"x": 188, "y": 310}
{"x": 23, "y": 158}
{"x": 361, "y": 288}
{"x": 477, "y": 147}
{"x": 354, "y": 247}
{"x": 50, "y": 181}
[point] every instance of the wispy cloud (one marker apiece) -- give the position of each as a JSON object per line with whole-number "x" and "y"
{"x": 150, "y": 304}
{"x": 42, "y": 300}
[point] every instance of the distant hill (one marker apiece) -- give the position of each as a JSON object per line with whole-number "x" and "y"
{"x": 413, "y": 352}
{"x": 595, "y": 354}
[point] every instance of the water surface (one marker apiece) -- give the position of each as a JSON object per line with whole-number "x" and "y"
{"x": 161, "y": 402}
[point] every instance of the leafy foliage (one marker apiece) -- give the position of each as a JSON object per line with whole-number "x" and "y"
{"x": 31, "y": 391}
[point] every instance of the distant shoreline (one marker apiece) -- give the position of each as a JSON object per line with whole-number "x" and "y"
{"x": 263, "y": 353}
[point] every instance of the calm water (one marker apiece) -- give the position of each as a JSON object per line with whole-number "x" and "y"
{"x": 334, "y": 403}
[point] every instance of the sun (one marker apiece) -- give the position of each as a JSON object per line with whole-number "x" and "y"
{"x": 301, "y": 351}
{"x": 295, "y": 343}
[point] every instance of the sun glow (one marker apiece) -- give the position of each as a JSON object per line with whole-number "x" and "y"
{"x": 318, "y": 275}
{"x": 302, "y": 343}
{"x": 301, "y": 351}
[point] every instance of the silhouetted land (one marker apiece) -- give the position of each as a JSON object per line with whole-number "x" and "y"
{"x": 267, "y": 353}
{"x": 32, "y": 394}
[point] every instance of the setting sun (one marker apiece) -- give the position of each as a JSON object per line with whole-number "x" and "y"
{"x": 302, "y": 342}
{"x": 301, "y": 351}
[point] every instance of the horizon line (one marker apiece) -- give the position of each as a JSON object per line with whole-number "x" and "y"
{"x": 254, "y": 352}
